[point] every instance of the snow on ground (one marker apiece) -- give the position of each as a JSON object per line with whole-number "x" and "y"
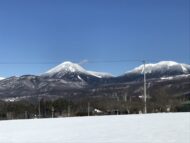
{"x": 150, "y": 128}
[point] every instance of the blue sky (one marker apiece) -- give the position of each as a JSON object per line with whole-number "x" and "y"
{"x": 36, "y": 35}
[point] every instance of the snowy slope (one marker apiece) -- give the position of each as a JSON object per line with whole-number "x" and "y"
{"x": 100, "y": 74}
{"x": 66, "y": 67}
{"x": 69, "y": 67}
{"x": 162, "y": 66}
{"x": 1, "y": 78}
{"x": 150, "y": 128}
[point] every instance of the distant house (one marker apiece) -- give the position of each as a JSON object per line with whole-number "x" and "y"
{"x": 97, "y": 112}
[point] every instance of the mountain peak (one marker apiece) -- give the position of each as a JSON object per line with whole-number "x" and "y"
{"x": 66, "y": 67}
{"x": 70, "y": 67}
{"x": 160, "y": 66}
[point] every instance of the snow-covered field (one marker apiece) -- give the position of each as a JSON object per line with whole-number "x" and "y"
{"x": 150, "y": 128}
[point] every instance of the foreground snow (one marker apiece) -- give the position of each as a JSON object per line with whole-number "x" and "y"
{"x": 150, "y": 128}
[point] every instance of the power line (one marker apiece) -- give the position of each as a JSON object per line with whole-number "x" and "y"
{"x": 28, "y": 63}
{"x": 113, "y": 61}
{"x": 87, "y": 62}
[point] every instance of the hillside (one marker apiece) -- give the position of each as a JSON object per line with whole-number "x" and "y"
{"x": 68, "y": 77}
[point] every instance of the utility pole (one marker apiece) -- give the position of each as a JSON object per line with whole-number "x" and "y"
{"x": 125, "y": 97}
{"x": 39, "y": 108}
{"x": 68, "y": 108}
{"x": 68, "y": 114}
{"x": 88, "y": 108}
{"x": 52, "y": 111}
{"x": 144, "y": 71}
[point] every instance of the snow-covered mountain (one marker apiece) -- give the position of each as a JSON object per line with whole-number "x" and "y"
{"x": 160, "y": 70}
{"x": 163, "y": 66}
{"x": 68, "y": 77}
{"x": 66, "y": 67}
{"x": 73, "y": 71}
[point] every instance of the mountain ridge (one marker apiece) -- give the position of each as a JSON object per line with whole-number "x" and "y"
{"x": 75, "y": 80}
{"x": 70, "y": 67}
{"x": 160, "y": 65}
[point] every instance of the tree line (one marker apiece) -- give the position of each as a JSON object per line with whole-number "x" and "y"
{"x": 93, "y": 105}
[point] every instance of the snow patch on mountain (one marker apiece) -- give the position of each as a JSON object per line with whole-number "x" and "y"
{"x": 175, "y": 77}
{"x": 100, "y": 74}
{"x": 79, "y": 77}
{"x": 1, "y": 78}
{"x": 185, "y": 67}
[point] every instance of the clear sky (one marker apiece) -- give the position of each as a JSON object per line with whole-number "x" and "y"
{"x": 36, "y": 35}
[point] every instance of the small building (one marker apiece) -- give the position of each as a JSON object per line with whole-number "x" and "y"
{"x": 97, "y": 112}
